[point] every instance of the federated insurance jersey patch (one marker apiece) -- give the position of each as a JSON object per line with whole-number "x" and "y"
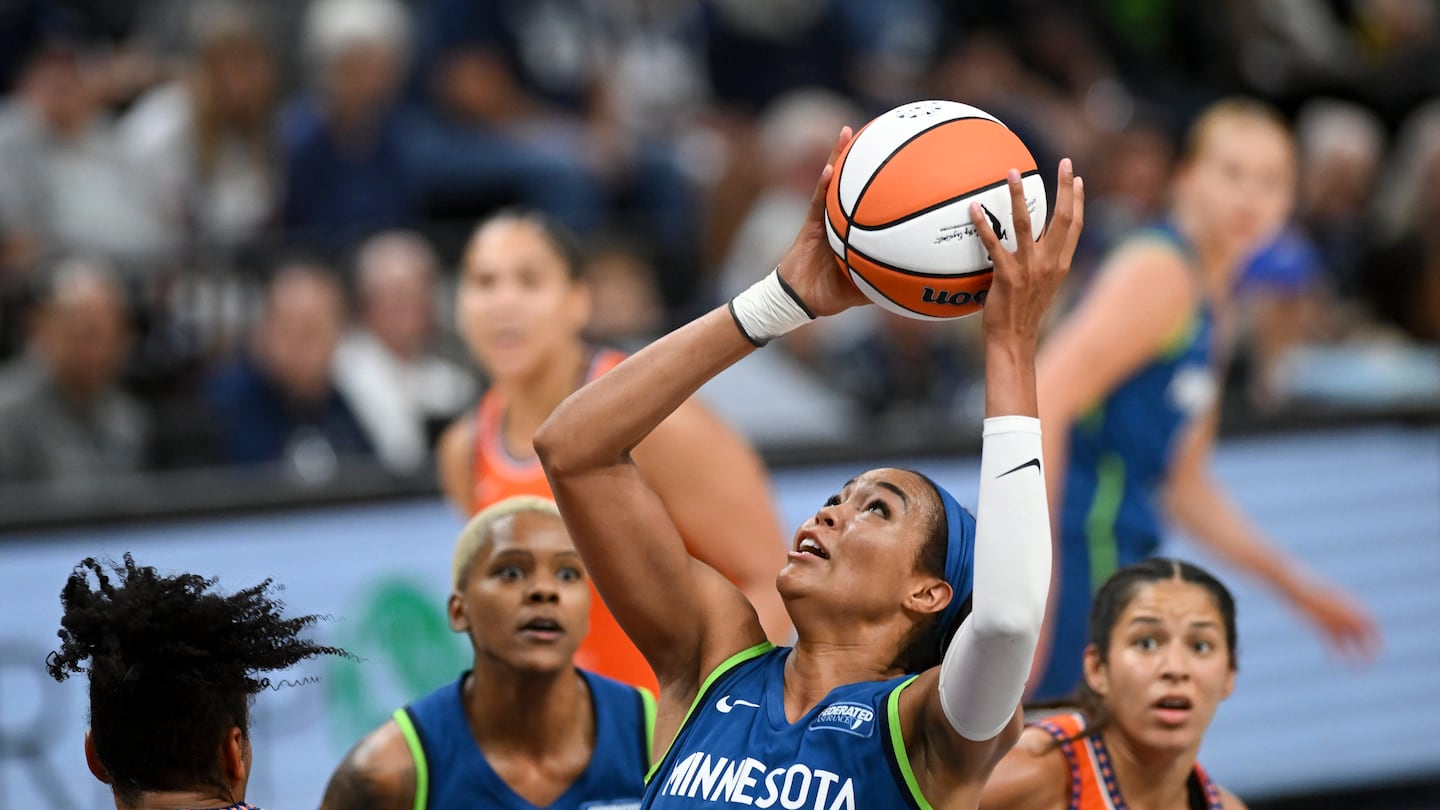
{"x": 851, "y": 718}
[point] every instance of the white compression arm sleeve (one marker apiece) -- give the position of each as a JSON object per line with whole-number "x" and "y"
{"x": 983, "y": 675}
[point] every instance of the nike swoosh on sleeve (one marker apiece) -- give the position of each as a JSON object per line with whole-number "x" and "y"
{"x": 1034, "y": 462}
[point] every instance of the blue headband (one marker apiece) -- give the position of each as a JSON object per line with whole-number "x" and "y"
{"x": 959, "y": 561}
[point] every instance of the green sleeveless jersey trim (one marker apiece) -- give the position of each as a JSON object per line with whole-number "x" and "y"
{"x": 725, "y": 666}
{"x": 417, "y": 753}
{"x": 897, "y": 742}
{"x": 647, "y": 705}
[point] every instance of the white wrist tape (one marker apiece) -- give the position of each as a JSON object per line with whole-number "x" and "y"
{"x": 768, "y": 309}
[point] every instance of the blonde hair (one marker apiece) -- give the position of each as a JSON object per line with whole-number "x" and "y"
{"x": 477, "y": 532}
{"x": 1232, "y": 108}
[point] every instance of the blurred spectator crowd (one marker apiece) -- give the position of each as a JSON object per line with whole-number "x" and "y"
{"x": 229, "y": 230}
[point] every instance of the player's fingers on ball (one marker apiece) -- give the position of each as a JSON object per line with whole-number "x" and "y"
{"x": 817, "y": 200}
{"x": 843, "y": 138}
{"x": 1020, "y": 214}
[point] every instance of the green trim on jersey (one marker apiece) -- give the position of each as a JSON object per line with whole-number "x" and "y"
{"x": 647, "y": 707}
{"x": 1179, "y": 341}
{"x": 1100, "y": 540}
{"x": 417, "y": 753}
{"x": 897, "y": 742}
{"x": 725, "y": 666}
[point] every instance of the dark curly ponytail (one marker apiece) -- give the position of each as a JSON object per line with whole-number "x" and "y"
{"x": 172, "y": 667}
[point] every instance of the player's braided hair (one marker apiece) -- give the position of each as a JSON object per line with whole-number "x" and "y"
{"x": 172, "y": 667}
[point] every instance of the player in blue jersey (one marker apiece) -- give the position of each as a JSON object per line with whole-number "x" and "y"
{"x": 902, "y": 689}
{"x": 173, "y": 665}
{"x": 525, "y": 728}
{"x": 1129, "y": 384}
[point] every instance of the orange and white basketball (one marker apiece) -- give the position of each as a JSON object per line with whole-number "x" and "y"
{"x": 897, "y": 210}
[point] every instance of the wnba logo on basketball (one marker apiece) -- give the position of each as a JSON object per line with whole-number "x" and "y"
{"x": 959, "y": 298}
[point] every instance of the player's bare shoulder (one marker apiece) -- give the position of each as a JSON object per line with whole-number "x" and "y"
{"x": 377, "y": 774}
{"x": 1033, "y": 775}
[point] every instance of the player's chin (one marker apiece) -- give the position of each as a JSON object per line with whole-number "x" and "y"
{"x": 541, "y": 660}
{"x": 1173, "y": 741}
{"x": 796, "y": 580}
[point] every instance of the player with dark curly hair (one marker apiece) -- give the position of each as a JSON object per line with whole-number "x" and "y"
{"x": 172, "y": 668}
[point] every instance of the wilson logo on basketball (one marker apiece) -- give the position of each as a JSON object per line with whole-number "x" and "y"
{"x": 958, "y": 298}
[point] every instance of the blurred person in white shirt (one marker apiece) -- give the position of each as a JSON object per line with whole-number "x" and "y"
{"x": 67, "y": 186}
{"x": 206, "y": 142}
{"x": 401, "y": 389}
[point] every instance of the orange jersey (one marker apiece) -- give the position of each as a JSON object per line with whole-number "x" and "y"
{"x": 1092, "y": 779}
{"x": 497, "y": 475}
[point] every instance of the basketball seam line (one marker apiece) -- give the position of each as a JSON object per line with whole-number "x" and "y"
{"x": 893, "y": 301}
{"x": 844, "y": 243}
{"x": 903, "y": 271}
{"x": 981, "y": 190}
{"x": 859, "y": 197}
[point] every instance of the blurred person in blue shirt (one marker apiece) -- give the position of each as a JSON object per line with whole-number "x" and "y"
{"x": 346, "y": 167}
{"x": 533, "y": 84}
{"x": 278, "y": 403}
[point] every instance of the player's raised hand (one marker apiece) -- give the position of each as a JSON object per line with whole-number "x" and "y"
{"x": 1347, "y": 626}
{"x": 809, "y": 266}
{"x": 1026, "y": 280}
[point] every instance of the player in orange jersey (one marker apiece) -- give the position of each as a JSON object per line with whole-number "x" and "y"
{"x": 522, "y": 306}
{"x": 1161, "y": 657}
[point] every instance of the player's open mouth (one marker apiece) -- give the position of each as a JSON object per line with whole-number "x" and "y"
{"x": 542, "y": 628}
{"x": 1172, "y": 709}
{"x": 810, "y": 546}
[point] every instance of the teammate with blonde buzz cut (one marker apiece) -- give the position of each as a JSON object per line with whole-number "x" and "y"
{"x": 524, "y": 728}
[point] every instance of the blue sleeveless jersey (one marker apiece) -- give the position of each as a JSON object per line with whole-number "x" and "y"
{"x": 736, "y": 747}
{"x": 452, "y": 772}
{"x": 1120, "y": 453}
